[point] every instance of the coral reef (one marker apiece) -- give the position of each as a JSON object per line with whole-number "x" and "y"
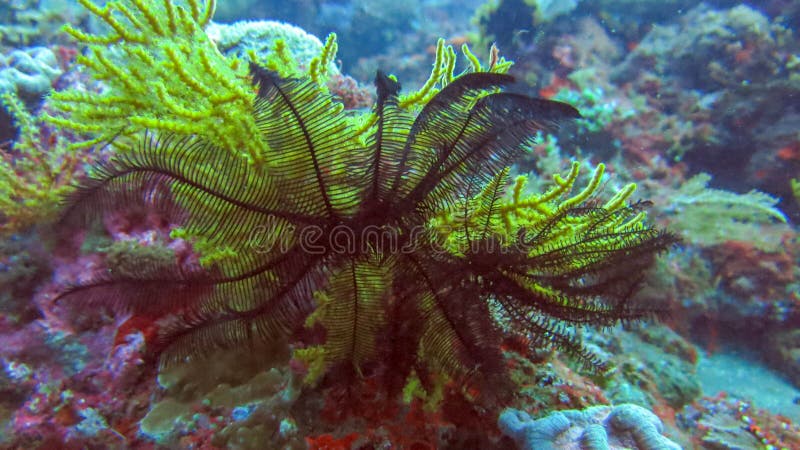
{"x": 733, "y": 294}
{"x": 388, "y": 20}
{"x": 547, "y": 10}
{"x": 723, "y": 422}
{"x": 707, "y": 217}
{"x": 289, "y": 51}
{"x": 36, "y": 22}
{"x": 22, "y": 267}
{"x": 261, "y": 38}
{"x": 36, "y": 171}
{"x": 737, "y": 63}
{"x": 655, "y": 368}
{"x": 567, "y": 239}
{"x": 669, "y": 91}
{"x": 703, "y": 93}
{"x": 712, "y": 49}
{"x": 745, "y": 270}
{"x": 239, "y": 401}
{"x": 408, "y": 46}
{"x": 783, "y": 346}
{"x": 28, "y": 73}
{"x": 625, "y": 426}
{"x": 77, "y": 392}
{"x": 658, "y": 121}
{"x": 375, "y": 34}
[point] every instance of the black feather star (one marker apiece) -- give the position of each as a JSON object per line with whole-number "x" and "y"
{"x": 395, "y": 247}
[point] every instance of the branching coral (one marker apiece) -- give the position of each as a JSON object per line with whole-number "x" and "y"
{"x": 391, "y": 238}
{"x": 34, "y": 173}
{"x": 163, "y": 73}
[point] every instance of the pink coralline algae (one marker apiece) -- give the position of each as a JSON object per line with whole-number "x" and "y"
{"x": 72, "y": 376}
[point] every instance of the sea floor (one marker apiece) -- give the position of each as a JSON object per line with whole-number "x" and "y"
{"x": 741, "y": 374}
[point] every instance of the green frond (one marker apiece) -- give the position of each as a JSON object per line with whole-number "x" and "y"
{"x": 361, "y": 125}
{"x": 587, "y": 191}
{"x": 316, "y": 364}
{"x": 35, "y": 173}
{"x": 477, "y": 217}
{"x": 312, "y": 152}
{"x": 163, "y": 73}
{"x": 318, "y": 69}
{"x": 440, "y": 342}
{"x": 279, "y": 59}
{"x": 432, "y": 395}
{"x": 443, "y": 73}
{"x": 439, "y": 66}
{"x": 707, "y": 216}
{"x": 516, "y": 211}
{"x": 489, "y": 203}
{"x": 474, "y": 62}
{"x": 529, "y": 211}
{"x": 559, "y": 237}
{"x": 497, "y": 63}
{"x": 456, "y": 342}
{"x": 352, "y": 310}
{"x": 619, "y": 199}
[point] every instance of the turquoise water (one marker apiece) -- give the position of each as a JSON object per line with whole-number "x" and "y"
{"x": 743, "y": 376}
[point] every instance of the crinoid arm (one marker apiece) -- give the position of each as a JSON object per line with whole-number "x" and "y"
{"x": 402, "y": 251}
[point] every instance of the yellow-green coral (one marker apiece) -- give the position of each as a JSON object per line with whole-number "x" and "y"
{"x": 519, "y": 212}
{"x": 34, "y": 174}
{"x": 443, "y": 72}
{"x": 280, "y": 60}
{"x": 318, "y": 71}
{"x": 367, "y": 316}
{"x": 162, "y": 73}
